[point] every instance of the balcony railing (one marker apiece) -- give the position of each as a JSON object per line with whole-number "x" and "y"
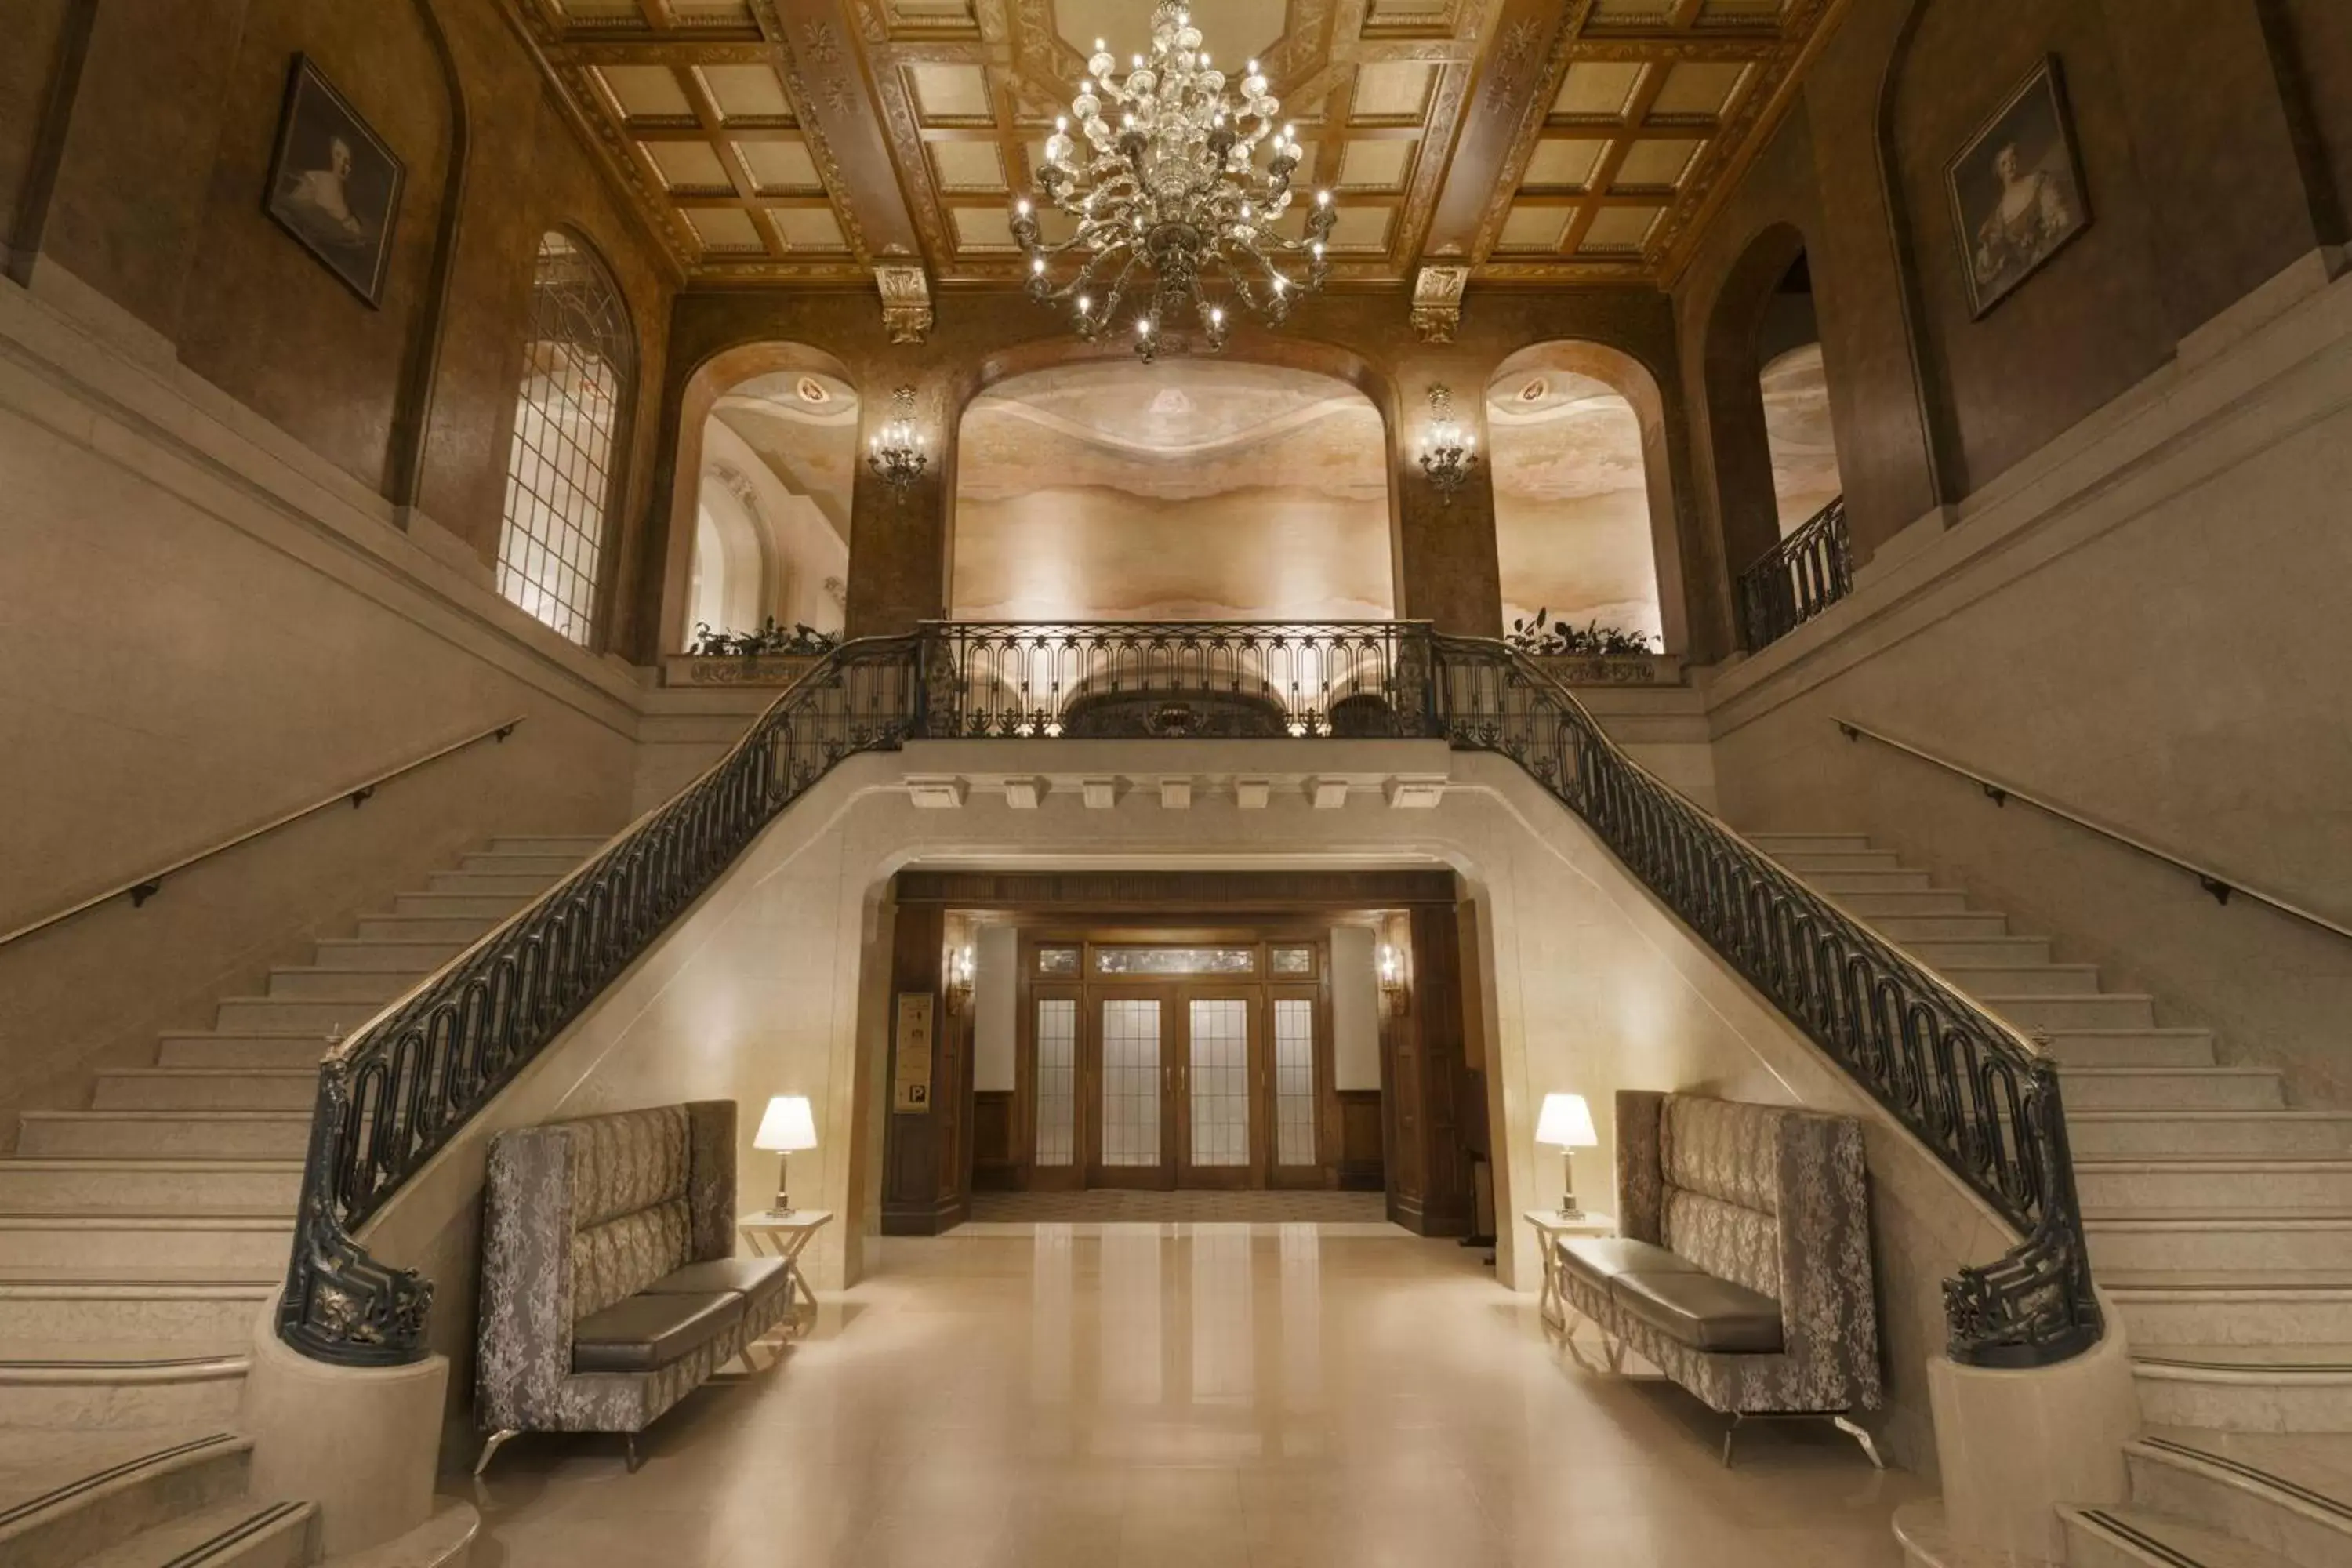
{"x": 1982, "y": 1098}
{"x": 1798, "y": 578}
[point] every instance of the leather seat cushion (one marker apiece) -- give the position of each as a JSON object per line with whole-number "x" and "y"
{"x": 1601, "y": 1258}
{"x": 756, "y": 1279}
{"x": 1701, "y": 1310}
{"x": 645, "y": 1334}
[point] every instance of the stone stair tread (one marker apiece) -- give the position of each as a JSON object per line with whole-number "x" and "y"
{"x": 196, "y": 1115}
{"x": 215, "y": 1534}
{"x": 2184, "y": 1114}
{"x": 45, "y": 1471}
{"x": 2235, "y": 1218}
{"x": 165, "y": 1276}
{"x": 2333, "y": 1362}
{"x": 2225, "y": 1279}
{"x": 2213, "y": 1163}
{"x": 2314, "y": 1466}
{"x": 191, "y": 1163}
{"x": 179, "y": 1219}
{"x": 2146, "y": 1536}
{"x": 102, "y": 1355}
{"x": 209, "y": 1072}
{"x": 2150, "y": 1070}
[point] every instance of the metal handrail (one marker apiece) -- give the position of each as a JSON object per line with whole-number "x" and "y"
{"x": 2223, "y": 888}
{"x": 1976, "y": 1094}
{"x": 142, "y": 887}
{"x": 1800, "y": 577}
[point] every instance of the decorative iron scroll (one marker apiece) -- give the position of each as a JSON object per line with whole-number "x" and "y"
{"x": 1976, "y": 1094}
{"x": 391, "y": 1094}
{"x": 1798, "y": 578}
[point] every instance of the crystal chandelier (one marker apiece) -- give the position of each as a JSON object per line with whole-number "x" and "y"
{"x": 1171, "y": 203}
{"x": 1448, "y": 452}
{"x": 896, "y": 453}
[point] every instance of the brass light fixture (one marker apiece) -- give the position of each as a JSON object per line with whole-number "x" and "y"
{"x": 896, "y": 453}
{"x": 1448, "y": 452}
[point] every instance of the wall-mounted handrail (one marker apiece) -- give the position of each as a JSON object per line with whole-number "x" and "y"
{"x": 2222, "y": 886}
{"x": 1976, "y": 1094}
{"x": 141, "y": 889}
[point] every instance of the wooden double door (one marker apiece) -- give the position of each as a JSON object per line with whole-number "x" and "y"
{"x": 1156, "y": 1083}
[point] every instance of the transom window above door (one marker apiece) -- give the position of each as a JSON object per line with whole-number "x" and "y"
{"x": 1143, "y": 961}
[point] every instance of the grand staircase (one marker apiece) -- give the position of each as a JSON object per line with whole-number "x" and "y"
{"x": 2220, "y": 1220}
{"x": 140, "y": 1237}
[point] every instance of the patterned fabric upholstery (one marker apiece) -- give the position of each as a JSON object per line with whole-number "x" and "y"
{"x": 1772, "y": 1198}
{"x": 578, "y": 1216}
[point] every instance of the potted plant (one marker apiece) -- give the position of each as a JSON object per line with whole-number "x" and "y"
{"x": 774, "y": 655}
{"x": 1594, "y": 653}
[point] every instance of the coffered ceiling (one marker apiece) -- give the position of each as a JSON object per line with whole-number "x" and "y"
{"x": 812, "y": 140}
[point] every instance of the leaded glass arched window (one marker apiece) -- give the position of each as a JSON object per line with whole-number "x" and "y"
{"x": 580, "y": 361}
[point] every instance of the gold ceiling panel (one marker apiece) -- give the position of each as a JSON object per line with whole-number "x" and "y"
{"x": 814, "y": 139}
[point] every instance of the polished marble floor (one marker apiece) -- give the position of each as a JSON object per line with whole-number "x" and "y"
{"x": 1195, "y": 1396}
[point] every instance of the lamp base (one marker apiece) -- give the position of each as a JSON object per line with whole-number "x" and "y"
{"x": 1569, "y": 1211}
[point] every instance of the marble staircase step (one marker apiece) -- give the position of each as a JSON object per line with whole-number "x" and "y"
{"x": 88, "y": 1387}
{"x": 316, "y": 983}
{"x": 1895, "y": 879}
{"x": 1983, "y": 979}
{"x": 241, "y": 1049}
{"x": 1809, "y": 863}
{"x": 2288, "y": 1493}
{"x": 488, "y": 907}
{"x": 253, "y": 1187}
{"x": 2219, "y": 1239}
{"x": 239, "y": 1533}
{"x": 65, "y": 1496}
{"x": 515, "y": 885}
{"x": 2191, "y": 1089}
{"x": 206, "y": 1088}
{"x": 1960, "y": 925}
{"x": 2004, "y": 952}
{"x": 2089, "y": 1010}
{"x": 2236, "y": 1307}
{"x": 2130, "y": 1047}
{"x": 520, "y": 863}
{"x": 143, "y": 1134}
{"x": 1876, "y": 907}
{"x": 2246, "y": 1388}
{"x": 235, "y": 1246}
{"x": 2117, "y": 1537}
{"x": 93, "y": 1306}
{"x": 290, "y": 1015}
{"x": 578, "y": 847}
{"x": 401, "y": 954}
{"x": 2283, "y": 1186}
{"x": 1777, "y": 844}
{"x": 2271, "y": 1134}
{"x": 459, "y": 928}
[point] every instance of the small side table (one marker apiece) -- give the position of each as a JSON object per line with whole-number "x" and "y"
{"x": 1552, "y": 1305}
{"x": 787, "y": 1236}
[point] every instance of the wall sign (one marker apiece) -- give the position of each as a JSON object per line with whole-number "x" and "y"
{"x": 911, "y": 1080}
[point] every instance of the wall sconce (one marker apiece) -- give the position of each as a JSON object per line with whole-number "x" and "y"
{"x": 1448, "y": 452}
{"x": 896, "y": 453}
{"x": 960, "y": 976}
{"x": 1391, "y": 976}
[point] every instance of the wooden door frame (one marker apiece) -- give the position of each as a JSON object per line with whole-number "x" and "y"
{"x": 1033, "y": 1177}
{"x": 1159, "y": 1178}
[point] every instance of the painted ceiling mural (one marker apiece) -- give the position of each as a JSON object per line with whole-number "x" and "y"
{"x": 1571, "y": 499}
{"x": 1193, "y": 489}
{"x": 1797, "y": 423}
{"x": 813, "y": 140}
{"x": 804, "y": 425}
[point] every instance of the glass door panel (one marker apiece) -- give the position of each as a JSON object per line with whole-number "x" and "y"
{"x": 1130, "y": 1144}
{"x": 1294, "y": 1081}
{"x": 1058, "y": 1082}
{"x": 1218, "y": 1138}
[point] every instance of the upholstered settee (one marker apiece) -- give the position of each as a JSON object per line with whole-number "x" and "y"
{"x": 1742, "y": 1264}
{"x": 610, "y": 1287}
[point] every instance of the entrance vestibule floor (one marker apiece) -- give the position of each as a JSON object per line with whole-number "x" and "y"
{"x": 1112, "y": 1206}
{"x": 1225, "y": 1397}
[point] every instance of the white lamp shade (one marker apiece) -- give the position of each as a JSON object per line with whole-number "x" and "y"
{"x": 787, "y": 1126}
{"x": 1566, "y": 1124}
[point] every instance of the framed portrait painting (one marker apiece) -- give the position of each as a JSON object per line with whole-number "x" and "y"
{"x": 2017, "y": 189}
{"x": 333, "y": 183}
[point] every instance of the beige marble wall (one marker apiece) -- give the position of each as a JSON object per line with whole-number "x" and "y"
{"x": 207, "y": 625}
{"x": 771, "y": 985}
{"x": 2145, "y": 623}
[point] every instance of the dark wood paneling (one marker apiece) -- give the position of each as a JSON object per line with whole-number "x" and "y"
{"x": 1161, "y": 893}
{"x": 1363, "y": 1166}
{"x": 994, "y": 1167}
{"x": 921, "y": 1193}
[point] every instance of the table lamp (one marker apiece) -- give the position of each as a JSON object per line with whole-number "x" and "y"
{"x": 1566, "y": 1125}
{"x": 787, "y": 1126}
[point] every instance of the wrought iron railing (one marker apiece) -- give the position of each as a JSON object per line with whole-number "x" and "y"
{"x": 394, "y": 1091}
{"x": 1976, "y": 1094}
{"x": 1798, "y": 578}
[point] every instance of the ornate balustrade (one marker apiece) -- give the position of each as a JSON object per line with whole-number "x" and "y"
{"x": 1798, "y": 578}
{"x": 1978, "y": 1095}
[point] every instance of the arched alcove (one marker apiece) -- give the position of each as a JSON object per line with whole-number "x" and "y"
{"x": 766, "y": 459}
{"x": 1187, "y": 490}
{"x": 1584, "y": 502}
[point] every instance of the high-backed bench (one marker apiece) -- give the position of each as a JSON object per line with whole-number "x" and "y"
{"x": 610, "y": 1285}
{"x": 1742, "y": 1265}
